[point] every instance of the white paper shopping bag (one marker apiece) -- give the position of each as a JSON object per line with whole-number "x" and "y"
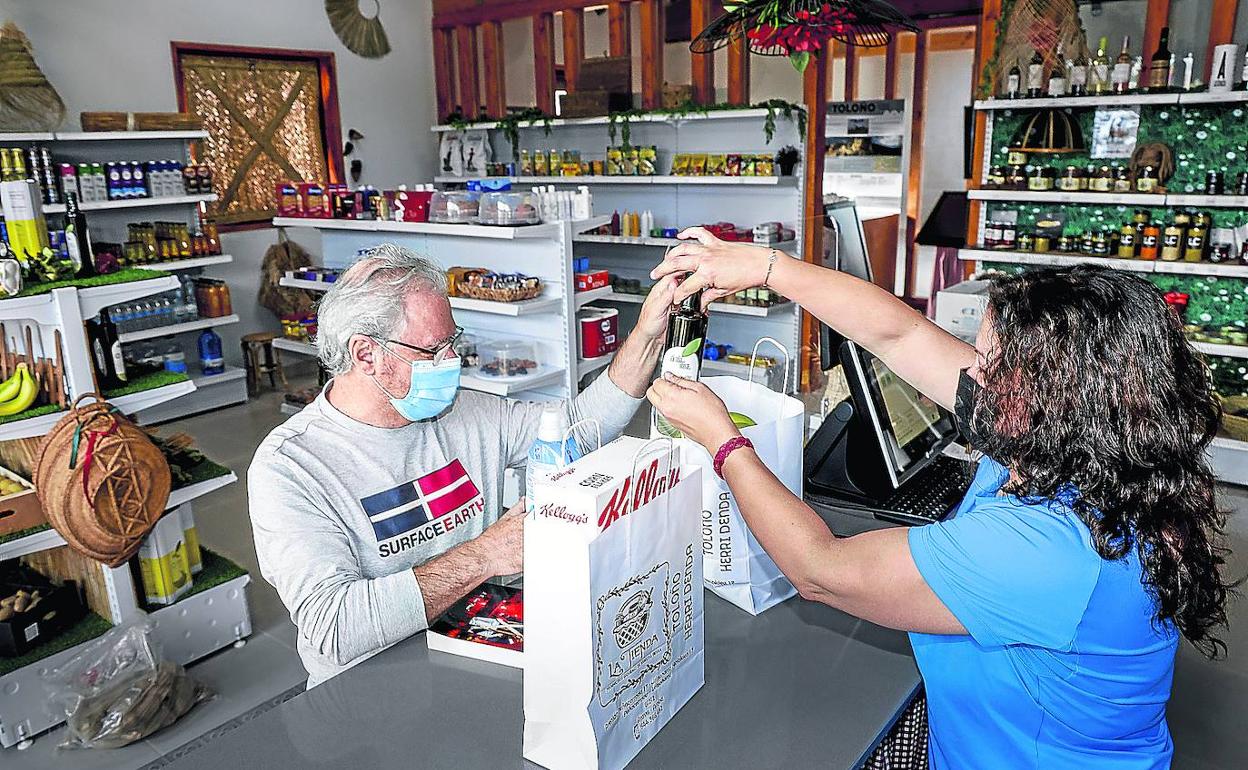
{"x": 613, "y": 604}
{"x": 736, "y": 566}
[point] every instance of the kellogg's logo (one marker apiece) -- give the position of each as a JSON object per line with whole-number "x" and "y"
{"x": 635, "y": 492}
{"x": 552, "y": 511}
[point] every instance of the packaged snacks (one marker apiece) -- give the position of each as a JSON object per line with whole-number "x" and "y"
{"x": 476, "y": 152}
{"x": 716, "y": 164}
{"x": 680, "y": 164}
{"x": 697, "y": 164}
{"x": 615, "y": 161}
{"x": 764, "y": 165}
{"x": 631, "y": 158}
{"x": 732, "y": 165}
{"x": 648, "y": 160}
{"x": 312, "y": 200}
{"x": 747, "y": 165}
{"x": 287, "y": 199}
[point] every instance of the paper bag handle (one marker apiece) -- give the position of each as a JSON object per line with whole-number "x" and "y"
{"x": 781, "y": 348}
{"x": 567, "y": 434}
{"x": 646, "y": 446}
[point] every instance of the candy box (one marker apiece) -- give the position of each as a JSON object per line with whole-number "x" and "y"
{"x": 287, "y": 197}
{"x": 592, "y": 279}
{"x": 312, "y": 201}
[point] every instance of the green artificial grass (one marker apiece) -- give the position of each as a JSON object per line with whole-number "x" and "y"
{"x": 147, "y": 382}
{"x": 90, "y": 627}
{"x": 127, "y": 275}
{"x": 204, "y": 471}
{"x": 21, "y": 533}
{"x": 217, "y": 570}
{"x": 34, "y": 411}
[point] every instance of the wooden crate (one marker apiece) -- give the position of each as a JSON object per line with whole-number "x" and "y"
{"x": 605, "y": 73}
{"x": 588, "y": 104}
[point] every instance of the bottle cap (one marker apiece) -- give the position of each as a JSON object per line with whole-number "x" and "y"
{"x": 552, "y": 424}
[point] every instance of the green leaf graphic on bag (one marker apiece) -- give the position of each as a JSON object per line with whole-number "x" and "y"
{"x": 692, "y": 348}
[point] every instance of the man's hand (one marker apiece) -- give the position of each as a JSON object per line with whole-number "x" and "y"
{"x": 652, "y": 322}
{"x": 503, "y": 542}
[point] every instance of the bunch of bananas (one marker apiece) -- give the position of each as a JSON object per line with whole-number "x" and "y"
{"x": 19, "y": 392}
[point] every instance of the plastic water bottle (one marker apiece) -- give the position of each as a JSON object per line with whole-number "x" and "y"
{"x": 210, "y": 359}
{"x": 549, "y": 452}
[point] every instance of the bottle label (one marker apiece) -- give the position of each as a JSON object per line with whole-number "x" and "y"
{"x": 1013, "y": 84}
{"x": 71, "y": 247}
{"x": 1146, "y": 184}
{"x": 1100, "y": 75}
{"x": 1148, "y": 241}
{"x": 683, "y": 362}
{"x": 1159, "y": 74}
{"x": 119, "y": 363}
{"x": 1035, "y": 77}
{"x": 101, "y": 363}
{"x": 1122, "y": 74}
{"x": 1078, "y": 76}
{"x": 1057, "y": 86}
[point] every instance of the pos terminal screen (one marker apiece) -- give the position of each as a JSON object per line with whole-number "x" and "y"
{"x": 911, "y": 427}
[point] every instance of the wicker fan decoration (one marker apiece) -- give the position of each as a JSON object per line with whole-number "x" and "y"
{"x": 359, "y": 33}
{"x": 1037, "y": 25}
{"x": 28, "y": 102}
{"x": 799, "y": 29}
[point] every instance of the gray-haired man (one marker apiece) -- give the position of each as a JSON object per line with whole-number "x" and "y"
{"x": 379, "y": 505}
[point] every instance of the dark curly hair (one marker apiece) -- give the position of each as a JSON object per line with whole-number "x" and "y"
{"x": 1092, "y": 384}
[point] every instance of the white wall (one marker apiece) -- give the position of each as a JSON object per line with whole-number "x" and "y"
{"x": 114, "y": 55}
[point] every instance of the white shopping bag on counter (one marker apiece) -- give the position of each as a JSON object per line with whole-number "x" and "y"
{"x": 613, "y": 604}
{"x": 736, "y": 566}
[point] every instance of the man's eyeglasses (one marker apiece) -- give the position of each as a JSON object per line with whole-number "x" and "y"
{"x": 437, "y": 354}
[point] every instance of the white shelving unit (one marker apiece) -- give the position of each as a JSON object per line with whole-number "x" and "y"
{"x": 1229, "y": 457}
{"x": 176, "y": 265}
{"x": 676, "y": 201}
{"x": 543, "y": 250}
{"x": 205, "y": 622}
{"x": 182, "y": 328}
{"x": 1132, "y": 265}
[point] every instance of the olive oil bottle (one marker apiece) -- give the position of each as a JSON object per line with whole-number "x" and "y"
{"x": 682, "y": 352}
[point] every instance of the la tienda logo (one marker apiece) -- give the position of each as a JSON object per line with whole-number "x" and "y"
{"x": 636, "y": 491}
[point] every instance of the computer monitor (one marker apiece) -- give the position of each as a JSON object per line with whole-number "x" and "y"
{"x": 847, "y": 252}
{"x": 909, "y": 429}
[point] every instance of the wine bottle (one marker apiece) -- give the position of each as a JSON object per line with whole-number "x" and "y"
{"x": 1159, "y": 65}
{"x": 682, "y": 352}
{"x": 1100, "y": 68}
{"x": 110, "y": 366}
{"x": 1014, "y": 83}
{"x": 1079, "y": 76}
{"x": 1057, "y": 75}
{"x": 1120, "y": 78}
{"x": 1035, "y": 76}
{"x": 78, "y": 238}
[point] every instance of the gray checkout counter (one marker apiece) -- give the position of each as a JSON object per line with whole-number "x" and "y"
{"x": 802, "y": 685}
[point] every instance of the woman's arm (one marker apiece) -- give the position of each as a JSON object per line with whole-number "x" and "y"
{"x": 919, "y": 351}
{"x": 871, "y": 575}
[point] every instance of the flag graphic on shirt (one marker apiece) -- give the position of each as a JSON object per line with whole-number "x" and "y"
{"x": 415, "y": 503}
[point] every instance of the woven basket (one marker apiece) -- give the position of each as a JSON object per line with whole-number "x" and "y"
{"x": 1233, "y": 425}
{"x": 497, "y": 295}
{"x": 102, "y": 482}
{"x": 140, "y": 121}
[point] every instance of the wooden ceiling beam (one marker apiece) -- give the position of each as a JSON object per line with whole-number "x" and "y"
{"x": 454, "y": 13}
{"x": 493, "y": 55}
{"x": 701, "y": 65}
{"x": 444, "y": 71}
{"x": 651, "y": 53}
{"x": 469, "y": 71}
{"x": 544, "y": 62}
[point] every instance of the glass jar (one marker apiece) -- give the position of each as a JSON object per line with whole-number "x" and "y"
{"x": 1150, "y": 241}
{"x": 1172, "y": 241}
{"x": 1128, "y": 246}
{"x": 1086, "y": 242}
{"x": 1041, "y": 179}
{"x": 1065, "y": 244}
{"x": 1147, "y": 181}
{"x": 996, "y": 177}
{"x": 1103, "y": 180}
{"x": 1026, "y": 242}
{"x": 1043, "y": 243}
{"x": 1214, "y": 183}
{"x": 1122, "y": 179}
{"x": 1016, "y": 178}
{"x": 1100, "y": 244}
{"x": 1071, "y": 179}
{"x": 1016, "y": 157}
{"x": 1194, "y": 243}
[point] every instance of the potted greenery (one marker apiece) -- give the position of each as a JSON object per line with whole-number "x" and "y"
{"x": 787, "y": 159}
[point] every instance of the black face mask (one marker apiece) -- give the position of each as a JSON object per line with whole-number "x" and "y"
{"x": 964, "y": 409}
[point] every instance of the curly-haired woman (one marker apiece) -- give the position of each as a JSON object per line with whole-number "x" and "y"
{"x": 1046, "y": 612}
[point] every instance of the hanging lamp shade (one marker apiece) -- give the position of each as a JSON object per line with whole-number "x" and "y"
{"x": 1049, "y": 130}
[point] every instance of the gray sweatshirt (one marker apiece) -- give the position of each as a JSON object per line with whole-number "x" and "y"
{"x": 341, "y": 511}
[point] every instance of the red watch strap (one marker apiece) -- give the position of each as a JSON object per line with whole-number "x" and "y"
{"x": 727, "y": 448}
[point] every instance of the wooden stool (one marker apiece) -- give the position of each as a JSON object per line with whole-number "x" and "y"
{"x": 262, "y": 358}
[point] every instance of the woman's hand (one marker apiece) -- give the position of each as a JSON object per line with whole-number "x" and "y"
{"x": 718, "y": 268}
{"x": 652, "y": 321}
{"x": 694, "y": 410}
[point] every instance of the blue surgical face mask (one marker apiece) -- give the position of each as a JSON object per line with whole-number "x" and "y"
{"x": 432, "y": 390}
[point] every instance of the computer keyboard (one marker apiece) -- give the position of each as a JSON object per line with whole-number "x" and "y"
{"x": 930, "y": 495}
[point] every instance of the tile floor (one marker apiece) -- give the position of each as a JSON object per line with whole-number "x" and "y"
{"x": 1205, "y": 711}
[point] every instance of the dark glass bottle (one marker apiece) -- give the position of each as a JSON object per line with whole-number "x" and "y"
{"x": 682, "y": 352}
{"x": 110, "y": 366}
{"x": 1035, "y": 76}
{"x": 1159, "y": 65}
{"x": 78, "y": 237}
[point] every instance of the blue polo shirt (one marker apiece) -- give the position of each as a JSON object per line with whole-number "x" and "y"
{"x": 1062, "y": 666}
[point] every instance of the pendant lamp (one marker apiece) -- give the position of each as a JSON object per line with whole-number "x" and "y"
{"x": 1049, "y": 130}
